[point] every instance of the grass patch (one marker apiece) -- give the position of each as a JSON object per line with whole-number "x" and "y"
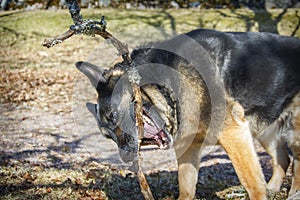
{"x": 23, "y": 32}
{"x": 96, "y": 181}
{"x": 85, "y": 182}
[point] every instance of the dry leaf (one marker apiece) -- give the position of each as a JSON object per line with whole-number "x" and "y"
{"x": 43, "y": 88}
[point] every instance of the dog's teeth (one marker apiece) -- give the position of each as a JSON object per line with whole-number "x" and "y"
{"x": 148, "y": 120}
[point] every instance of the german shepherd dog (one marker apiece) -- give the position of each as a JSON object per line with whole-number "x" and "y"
{"x": 257, "y": 75}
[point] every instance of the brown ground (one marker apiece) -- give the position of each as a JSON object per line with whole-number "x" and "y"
{"x": 44, "y": 123}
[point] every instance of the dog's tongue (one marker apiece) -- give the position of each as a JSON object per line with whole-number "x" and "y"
{"x": 156, "y": 135}
{"x": 150, "y": 131}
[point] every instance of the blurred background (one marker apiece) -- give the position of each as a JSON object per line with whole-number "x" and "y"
{"x": 144, "y": 4}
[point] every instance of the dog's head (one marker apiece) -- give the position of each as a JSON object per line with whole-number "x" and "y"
{"x": 114, "y": 111}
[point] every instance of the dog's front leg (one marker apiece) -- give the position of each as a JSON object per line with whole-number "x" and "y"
{"x": 188, "y": 167}
{"x": 240, "y": 150}
{"x": 237, "y": 142}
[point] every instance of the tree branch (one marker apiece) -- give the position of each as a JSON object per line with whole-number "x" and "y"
{"x": 88, "y": 27}
{"x": 92, "y": 28}
{"x": 50, "y": 42}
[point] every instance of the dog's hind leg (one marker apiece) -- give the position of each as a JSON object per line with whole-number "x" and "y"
{"x": 272, "y": 141}
{"x": 296, "y": 171}
{"x": 237, "y": 142}
{"x": 294, "y": 143}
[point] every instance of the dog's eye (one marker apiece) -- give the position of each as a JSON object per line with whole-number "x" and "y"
{"x": 113, "y": 117}
{"x": 107, "y": 111}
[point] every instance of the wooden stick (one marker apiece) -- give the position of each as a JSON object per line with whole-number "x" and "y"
{"x": 50, "y": 42}
{"x": 89, "y": 27}
{"x": 145, "y": 189}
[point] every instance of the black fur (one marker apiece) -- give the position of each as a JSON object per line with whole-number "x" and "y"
{"x": 263, "y": 69}
{"x": 260, "y": 70}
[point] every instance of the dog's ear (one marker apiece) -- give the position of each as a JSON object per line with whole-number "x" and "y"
{"x": 92, "y": 108}
{"x": 93, "y": 72}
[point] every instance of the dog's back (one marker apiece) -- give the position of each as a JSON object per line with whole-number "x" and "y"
{"x": 260, "y": 70}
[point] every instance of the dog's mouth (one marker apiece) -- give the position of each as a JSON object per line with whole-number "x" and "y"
{"x": 155, "y": 134}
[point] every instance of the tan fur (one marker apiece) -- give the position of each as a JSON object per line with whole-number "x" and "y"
{"x": 188, "y": 114}
{"x": 294, "y": 143}
{"x": 237, "y": 141}
{"x": 274, "y": 141}
{"x": 271, "y": 138}
{"x": 188, "y": 167}
{"x": 235, "y": 138}
{"x": 119, "y": 59}
{"x": 161, "y": 104}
